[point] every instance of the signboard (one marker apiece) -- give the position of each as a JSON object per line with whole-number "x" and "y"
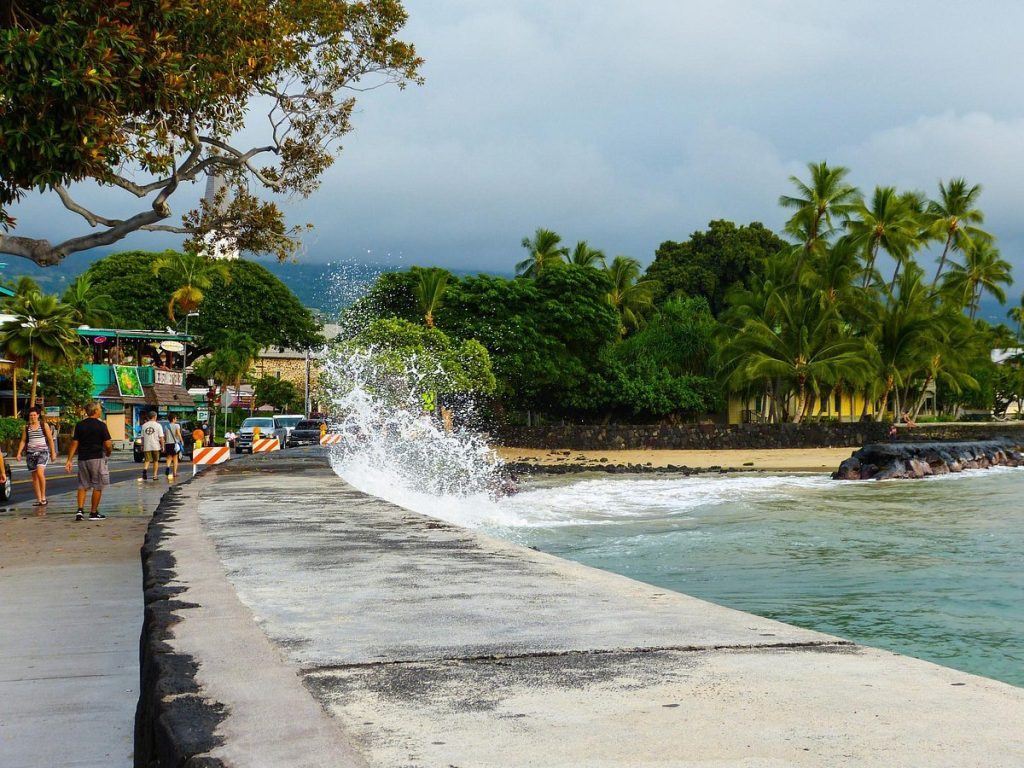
{"x": 53, "y": 411}
{"x": 128, "y": 384}
{"x": 172, "y": 346}
{"x": 167, "y": 377}
{"x": 202, "y": 414}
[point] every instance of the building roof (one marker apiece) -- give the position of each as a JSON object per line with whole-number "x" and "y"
{"x": 155, "y": 395}
{"x": 119, "y": 333}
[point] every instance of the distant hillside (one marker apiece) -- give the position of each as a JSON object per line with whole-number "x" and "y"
{"x": 327, "y": 288}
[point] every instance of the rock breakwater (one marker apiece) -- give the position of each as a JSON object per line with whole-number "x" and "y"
{"x": 887, "y": 461}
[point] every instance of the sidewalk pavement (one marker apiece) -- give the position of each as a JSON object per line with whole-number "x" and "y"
{"x": 70, "y": 617}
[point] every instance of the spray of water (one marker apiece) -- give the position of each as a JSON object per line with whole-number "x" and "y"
{"x": 396, "y": 443}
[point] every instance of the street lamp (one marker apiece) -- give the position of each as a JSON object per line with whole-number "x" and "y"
{"x": 211, "y": 383}
{"x": 184, "y": 354}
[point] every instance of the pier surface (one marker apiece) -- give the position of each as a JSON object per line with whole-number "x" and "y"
{"x": 328, "y": 628}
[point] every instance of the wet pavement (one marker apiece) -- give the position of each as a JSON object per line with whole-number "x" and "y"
{"x": 70, "y": 618}
{"x": 425, "y": 644}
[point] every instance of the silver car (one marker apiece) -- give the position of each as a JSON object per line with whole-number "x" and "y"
{"x": 243, "y": 443}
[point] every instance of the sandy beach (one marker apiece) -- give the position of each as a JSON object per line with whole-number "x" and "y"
{"x": 766, "y": 460}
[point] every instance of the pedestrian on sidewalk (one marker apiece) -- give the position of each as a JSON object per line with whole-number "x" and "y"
{"x": 91, "y": 441}
{"x": 37, "y": 442}
{"x": 152, "y": 445}
{"x": 173, "y": 441}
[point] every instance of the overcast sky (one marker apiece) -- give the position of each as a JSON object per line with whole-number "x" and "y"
{"x": 627, "y": 124}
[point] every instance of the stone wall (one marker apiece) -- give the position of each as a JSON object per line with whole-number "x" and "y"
{"x": 598, "y": 437}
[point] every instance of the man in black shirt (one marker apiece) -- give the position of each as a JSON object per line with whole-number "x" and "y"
{"x": 92, "y": 442}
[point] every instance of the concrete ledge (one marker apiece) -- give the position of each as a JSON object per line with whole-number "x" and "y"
{"x": 318, "y": 626}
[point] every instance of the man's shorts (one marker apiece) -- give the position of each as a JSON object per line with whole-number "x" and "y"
{"x": 93, "y": 473}
{"x": 35, "y": 459}
{"x": 152, "y": 456}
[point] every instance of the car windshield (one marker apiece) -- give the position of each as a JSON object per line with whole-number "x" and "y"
{"x": 288, "y": 421}
{"x": 261, "y": 423}
{"x": 308, "y": 425}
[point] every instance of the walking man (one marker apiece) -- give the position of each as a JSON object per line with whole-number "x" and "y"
{"x": 152, "y": 445}
{"x": 91, "y": 441}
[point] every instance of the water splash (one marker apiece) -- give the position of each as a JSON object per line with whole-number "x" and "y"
{"x": 397, "y": 448}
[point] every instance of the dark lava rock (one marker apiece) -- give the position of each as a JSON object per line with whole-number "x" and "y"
{"x": 887, "y": 461}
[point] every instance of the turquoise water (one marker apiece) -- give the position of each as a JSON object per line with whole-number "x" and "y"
{"x": 931, "y": 568}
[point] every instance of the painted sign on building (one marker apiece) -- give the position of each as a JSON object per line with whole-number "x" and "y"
{"x": 167, "y": 377}
{"x": 128, "y": 383}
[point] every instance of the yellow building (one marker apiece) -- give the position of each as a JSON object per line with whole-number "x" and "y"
{"x": 837, "y": 406}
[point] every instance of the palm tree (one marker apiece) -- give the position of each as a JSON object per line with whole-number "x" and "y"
{"x": 631, "y": 297}
{"x": 230, "y": 362}
{"x": 1017, "y": 314}
{"x": 825, "y": 196}
{"x": 429, "y": 291}
{"x": 803, "y": 351}
{"x": 585, "y": 256}
{"x": 42, "y": 330}
{"x": 983, "y": 271}
{"x": 891, "y": 223}
{"x": 952, "y": 218}
{"x": 544, "y": 250}
{"x": 88, "y": 307}
{"x": 193, "y": 273}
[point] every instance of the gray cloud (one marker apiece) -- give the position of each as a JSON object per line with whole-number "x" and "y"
{"x": 631, "y": 123}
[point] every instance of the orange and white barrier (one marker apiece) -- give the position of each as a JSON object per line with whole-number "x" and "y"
{"x": 266, "y": 444}
{"x": 334, "y": 439}
{"x": 209, "y": 455}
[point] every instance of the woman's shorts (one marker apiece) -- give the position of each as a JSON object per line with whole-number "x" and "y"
{"x": 170, "y": 450}
{"x": 35, "y": 459}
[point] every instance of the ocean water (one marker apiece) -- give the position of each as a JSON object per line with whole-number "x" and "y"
{"x": 931, "y": 568}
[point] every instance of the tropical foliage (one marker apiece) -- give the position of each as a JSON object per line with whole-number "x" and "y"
{"x": 835, "y": 318}
{"x": 147, "y": 96}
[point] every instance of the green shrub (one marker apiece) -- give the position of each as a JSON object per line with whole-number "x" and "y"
{"x": 10, "y": 428}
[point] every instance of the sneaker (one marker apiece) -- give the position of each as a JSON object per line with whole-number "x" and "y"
{"x": 97, "y": 516}
{"x": 79, "y": 515}
{"x": 145, "y": 475}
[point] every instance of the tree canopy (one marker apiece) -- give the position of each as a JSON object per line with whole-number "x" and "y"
{"x": 713, "y": 261}
{"x": 149, "y": 97}
{"x": 250, "y": 301}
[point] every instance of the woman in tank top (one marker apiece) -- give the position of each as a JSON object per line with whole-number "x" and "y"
{"x": 37, "y": 442}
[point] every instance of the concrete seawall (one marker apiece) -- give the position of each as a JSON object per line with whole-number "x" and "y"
{"x": 293, "y": 621}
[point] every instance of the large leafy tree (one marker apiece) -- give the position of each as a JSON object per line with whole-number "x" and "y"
{"x": 252, "y": 301}
{"x": 279, "y": 393}
{"x": 145, "y": 96}
{"x": 713, "y": 261}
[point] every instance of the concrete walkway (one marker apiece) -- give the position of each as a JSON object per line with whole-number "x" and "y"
{"x": 70, "y": 617}
{"x": 431, "y": 645}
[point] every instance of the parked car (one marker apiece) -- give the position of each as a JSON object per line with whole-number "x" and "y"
{"x": 243, "y": 443}
{"x": 289, "y": 422}
{"x": 306, "y": 432}
{"x": 187, "y": 441}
